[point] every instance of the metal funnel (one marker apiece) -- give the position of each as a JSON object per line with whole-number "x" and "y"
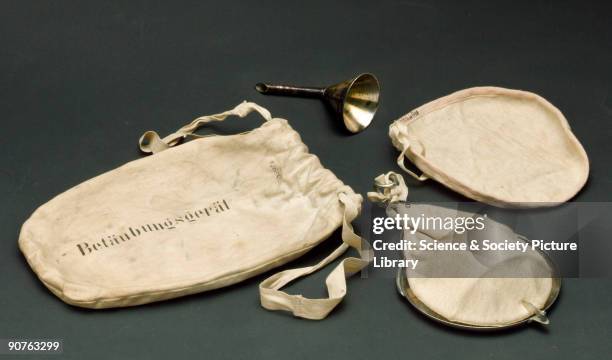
{"x": 355, "y": 100}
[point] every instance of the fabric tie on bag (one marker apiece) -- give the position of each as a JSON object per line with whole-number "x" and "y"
{"x": 315, "y": 309}
{"x": 150, "y": 142}
{"x": 390, "y": 188}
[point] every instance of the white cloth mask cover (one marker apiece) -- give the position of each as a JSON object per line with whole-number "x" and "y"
{"x": 483, "y": 289}
{"x": 496, "y": 288}
{"x": 203, "y": 215}
{"x": 507, "y": 148}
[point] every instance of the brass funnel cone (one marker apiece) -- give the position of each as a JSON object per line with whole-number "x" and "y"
{"x": 355, "y": 100}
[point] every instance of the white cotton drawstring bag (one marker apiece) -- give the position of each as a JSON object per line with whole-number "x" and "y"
{"x": 203, "y": 215}
{"x": 507, "y": 148}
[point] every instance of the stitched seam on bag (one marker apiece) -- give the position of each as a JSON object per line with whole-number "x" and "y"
{"x": 442, "y": 105}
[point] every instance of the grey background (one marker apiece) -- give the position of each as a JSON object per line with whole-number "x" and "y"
{"x": 80, "y": 82}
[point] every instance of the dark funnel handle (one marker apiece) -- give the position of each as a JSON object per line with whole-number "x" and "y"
{"x": 287, "y": 90}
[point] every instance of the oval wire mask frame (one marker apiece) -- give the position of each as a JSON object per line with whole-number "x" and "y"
{"x": 410, "y": 145}
{"x": 403, "y": 287}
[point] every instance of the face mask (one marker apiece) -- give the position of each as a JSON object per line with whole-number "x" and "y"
{"x": 469, "y": 288}
{"x": 507, "y": 148}
{"x": 203, "y": 215}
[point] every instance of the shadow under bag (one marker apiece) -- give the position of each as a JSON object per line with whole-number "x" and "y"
{"x": 203, "y": 215}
